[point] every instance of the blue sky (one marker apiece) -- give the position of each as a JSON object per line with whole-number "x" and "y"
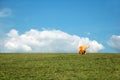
{"x": 96, "y": 19}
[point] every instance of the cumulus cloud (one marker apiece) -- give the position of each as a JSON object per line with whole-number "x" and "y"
{"x": 47, "y": 41}
{"x": 114, "y": 42}
{"x": 4, "y": 12}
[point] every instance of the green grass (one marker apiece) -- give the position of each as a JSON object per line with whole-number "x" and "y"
{"x": 60, "y": 67}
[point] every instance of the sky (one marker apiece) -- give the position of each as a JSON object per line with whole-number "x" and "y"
{"x": 59, "y": 25}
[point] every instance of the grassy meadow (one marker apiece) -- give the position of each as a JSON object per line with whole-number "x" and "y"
{"x": 65, "y": 66}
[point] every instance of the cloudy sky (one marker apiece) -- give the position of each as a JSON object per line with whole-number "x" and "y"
{"x": 59, "y": 25}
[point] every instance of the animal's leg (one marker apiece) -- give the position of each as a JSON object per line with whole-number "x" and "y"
{"x": 84, "y": 52}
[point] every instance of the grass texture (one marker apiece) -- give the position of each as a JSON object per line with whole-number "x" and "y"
{"x": 63, "y": 66}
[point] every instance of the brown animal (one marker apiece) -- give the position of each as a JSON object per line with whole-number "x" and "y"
{"x": 82, "y": 49}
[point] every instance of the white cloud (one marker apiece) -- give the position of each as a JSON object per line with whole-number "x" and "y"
{"x": 114, "y": 42}
{"x": 47, "y": 41}
{"x": 5, "y": 12}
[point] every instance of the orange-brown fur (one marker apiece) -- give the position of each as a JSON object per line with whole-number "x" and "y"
{"x": 82, "y": 49}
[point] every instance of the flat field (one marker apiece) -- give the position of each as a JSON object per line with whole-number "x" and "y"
{"x": 62, "y": 66}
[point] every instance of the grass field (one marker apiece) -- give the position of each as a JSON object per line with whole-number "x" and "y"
{"x": 60, "y": 67}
